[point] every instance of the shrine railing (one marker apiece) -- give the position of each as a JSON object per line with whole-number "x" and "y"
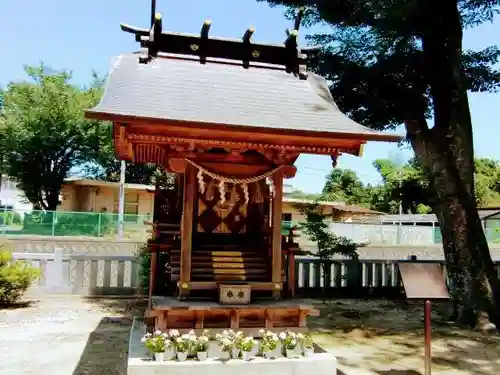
{"x": 345, "y": 278}
{"x": 93, "y": 274}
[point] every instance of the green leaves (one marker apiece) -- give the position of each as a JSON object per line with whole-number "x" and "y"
{"x": 328, "y": 244}
{"x": 343, "y": 185}
{"x": 44, "y": 132}
{"x": 374, "y": 60}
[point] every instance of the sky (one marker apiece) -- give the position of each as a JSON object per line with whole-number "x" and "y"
{"x": 84, "y": 36}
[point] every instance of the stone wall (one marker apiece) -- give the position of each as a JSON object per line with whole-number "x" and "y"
{"x": 72, "y": 245}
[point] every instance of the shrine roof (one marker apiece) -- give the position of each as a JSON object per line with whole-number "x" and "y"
{"x": 221, "y": 92}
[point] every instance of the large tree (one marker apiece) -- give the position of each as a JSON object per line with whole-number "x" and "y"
{"x": 404, "y": 185}
{"x": 402, "y": 62}
{"x": 344, "y": 185}
{"x": 44, "y": 134}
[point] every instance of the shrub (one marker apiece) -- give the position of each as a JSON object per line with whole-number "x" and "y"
{"x": 15, "y": 278}
{"x": 10, "y": 218}
{"x": 144, "y": 260}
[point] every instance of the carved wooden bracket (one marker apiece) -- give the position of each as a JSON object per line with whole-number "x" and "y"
{"x": 177, "y": 165}
{"x": 289, "y": 171}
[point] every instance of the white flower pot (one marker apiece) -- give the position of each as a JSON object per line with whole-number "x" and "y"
{"x": 292, "y": 353}
{"x": 159, "y": 357}
{"x": 235, "y": 353}
{"x": 224, "y": 355}
{"x": 247, "y": 356}
{"x": 268, "y": 355}
{"x": 169, "y": 354}
{"x": 202, "y": 356}
{"x": 182, "y": 356}
{"x": 308, "y": 352}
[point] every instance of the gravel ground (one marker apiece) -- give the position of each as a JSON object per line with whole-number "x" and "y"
{"x": 377, "y": 337}
{"x": 76, "y": 336}
{"x": 65, "y": 336}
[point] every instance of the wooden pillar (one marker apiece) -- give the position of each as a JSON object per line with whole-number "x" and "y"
{"x": 187, "y": 229}
{"x": 276, "y": 233}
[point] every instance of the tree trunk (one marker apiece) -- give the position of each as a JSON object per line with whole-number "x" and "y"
{"x": 476, "y": 288}
{"x": 446, "y": 153}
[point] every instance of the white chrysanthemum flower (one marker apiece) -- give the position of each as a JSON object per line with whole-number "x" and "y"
{"x": 144, "y": 339}
{"x": 282, "y": 335}
{"x": 158, "y": 332}
{"x": 173, "y": 333}
{"x": 262, "y": 331}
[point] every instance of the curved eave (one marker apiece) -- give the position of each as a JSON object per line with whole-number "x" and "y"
{"x": 162, "y": 126}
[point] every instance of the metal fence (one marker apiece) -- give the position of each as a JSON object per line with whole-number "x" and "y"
{"x": 67, "y": 223}
{"x": 394, "y": 234}
{"x": 93, "y": 224}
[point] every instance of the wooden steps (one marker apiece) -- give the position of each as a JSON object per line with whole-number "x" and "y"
{"x": 226, "y": 271}
{"x": 225, "y": 263}
{"x": 211, "y": 262}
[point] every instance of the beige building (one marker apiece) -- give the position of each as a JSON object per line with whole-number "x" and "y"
{"x": 338, "y": 211}
{"x": 84, "y": 195}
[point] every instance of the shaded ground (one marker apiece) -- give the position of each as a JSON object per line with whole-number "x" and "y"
{"x": 66, "y": 336}
{"x": 386, "y": 338}
{"x": 74, "y": 336}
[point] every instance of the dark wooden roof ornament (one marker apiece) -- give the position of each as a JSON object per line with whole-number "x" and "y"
{"x": 289, "y": 55}
{"x": 334, "y": 157}
{"x": 203, "y": 46}
{"x": 248, "y": 53}
{"x": 294, "y": 53}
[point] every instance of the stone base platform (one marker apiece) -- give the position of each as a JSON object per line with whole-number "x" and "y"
{"x": 140, "y": 362}
{"x": 170, "y": 313}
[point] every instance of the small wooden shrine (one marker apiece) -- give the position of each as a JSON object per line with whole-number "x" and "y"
{"x": 230, "y": 118}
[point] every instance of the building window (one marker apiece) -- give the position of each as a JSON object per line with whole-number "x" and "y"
{"x": 286, "y": 216}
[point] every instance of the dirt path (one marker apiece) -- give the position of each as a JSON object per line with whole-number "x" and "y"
{"x": 386, "y": 338}
{"x": 65, "y": 336}
{"x": 74, "y": 336}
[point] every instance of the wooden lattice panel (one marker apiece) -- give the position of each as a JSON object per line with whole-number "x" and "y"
{"x": 217, "y": 217}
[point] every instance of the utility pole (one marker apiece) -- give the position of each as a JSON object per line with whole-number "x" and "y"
{"x": 121, "y": 199}
{"x": 400, "y": 208}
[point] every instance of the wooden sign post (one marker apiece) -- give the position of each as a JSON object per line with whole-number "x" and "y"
{"x": 424, "y": 281}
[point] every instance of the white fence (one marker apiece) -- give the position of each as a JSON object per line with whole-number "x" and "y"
{"x": 83, "y": 274}
{"x": 386, "y": 234}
